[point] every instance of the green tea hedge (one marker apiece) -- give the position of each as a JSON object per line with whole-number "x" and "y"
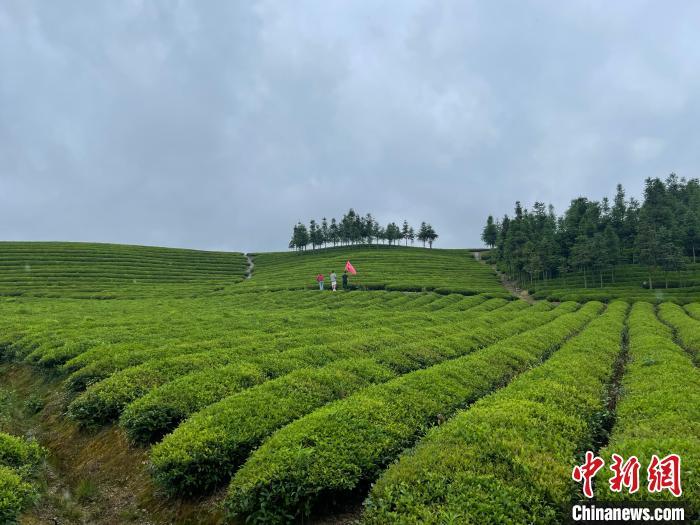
{"x": 658, "y": 411}
{"x": 345, "y": 444}
{"x": 508, "y": 458}
{"x": 161, "y": 410}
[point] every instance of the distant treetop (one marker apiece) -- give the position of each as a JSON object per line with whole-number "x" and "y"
{"x": 593, "y": 237}
{"x": 354, "y": 229}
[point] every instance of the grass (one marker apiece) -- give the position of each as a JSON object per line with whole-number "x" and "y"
{"x": 86, "y": 490}
{"x": 93, "y": 477}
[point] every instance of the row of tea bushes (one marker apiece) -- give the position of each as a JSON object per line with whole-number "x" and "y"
{"x": 508, "y": 458}
{"x": 208, "y": 448}
{"x": 336, "y": 449}
{"x": 162, "y": 409}
{"x": 685, "y": 327}
{"x": 106, "y": 399}
{"x": 43, "y": 269}
{"x": 658, "y": 411}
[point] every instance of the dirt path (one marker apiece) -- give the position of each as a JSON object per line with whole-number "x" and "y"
{"x": 508, "y": 284}
{"x": 513, "y": 288}
{"x": 249, "y": 271}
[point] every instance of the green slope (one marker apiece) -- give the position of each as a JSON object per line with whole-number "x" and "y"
{"x": 103, "y": 271}
{"x": 57, "y": 269}
{"x": 378, "y": 267}
{"x": 630, "y": 282}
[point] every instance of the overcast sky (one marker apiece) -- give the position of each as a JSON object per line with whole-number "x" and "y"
{"x": 217, "y": 125}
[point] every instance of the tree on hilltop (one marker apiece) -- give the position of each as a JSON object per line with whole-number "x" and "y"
{"x": 490, "y": 233}
{"x": 405, "y": 231}
{"x": 431, "y": 235}
{"x": 423, "y": 233}
{"x": 353, "y": 229}
{"x": 333, "y": 232}
{"x": 325, "y": 232}
{"x": 300, "y": 237}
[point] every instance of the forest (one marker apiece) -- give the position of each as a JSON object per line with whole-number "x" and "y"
{"x": 353, "y": 229}
{"x": 593, "y": 237}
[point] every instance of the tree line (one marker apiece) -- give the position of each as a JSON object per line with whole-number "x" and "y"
{"x": 662, "y": 232}
{"x": 355, "y": 229}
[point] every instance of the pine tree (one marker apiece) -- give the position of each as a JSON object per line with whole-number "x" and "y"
{"x": 490, "y": 233}
{"x": 315, "y": 234}
{"x": 431, "y": 235}
{"x": 610, "y": 250}
{"x": 582, "y": 256}
{"x": 597, "y": 236}
{"x": 347, "y": 227}
{"x": 648, "y": 245}
{"x": 333, "y": 232}
{"x": 381, "y": 233}
{"x": 618, "y": 212}
{"x": 325, "y": 232}
{"x": 368, "y": 228}
{"x": 300, "y": 238}
{"x": 295, "y": 236}
{"x": 405, "y": 231}
{"x": 393, "y": 233}
{"x": 423, "y": 233}
{"x": 691, "y": 219}
{"x": 356, "y": 229}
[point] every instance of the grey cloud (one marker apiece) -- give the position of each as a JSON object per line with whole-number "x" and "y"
{"x": 219, "y": 124}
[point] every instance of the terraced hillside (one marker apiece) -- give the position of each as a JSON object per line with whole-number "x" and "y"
{"x": 52, "y": 269}
{"x": 630, "y": 282}
{"x": 273, "y": 406}
{"x": 379, "y": 267}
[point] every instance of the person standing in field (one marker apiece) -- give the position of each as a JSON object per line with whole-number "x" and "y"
{"x": 319, "y": 279}
{"x": 345, "y": 280}
{"x": 334, "y": 278}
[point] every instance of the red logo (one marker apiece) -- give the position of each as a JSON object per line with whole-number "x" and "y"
{"x": 665, "y": 474}
{"x": 587, "y": 471}
{"x": 662, "y": 474}
{"x": 626, "y": 474}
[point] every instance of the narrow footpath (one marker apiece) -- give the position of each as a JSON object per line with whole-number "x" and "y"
{"x": 508, "y": 284}
{"x": 249, "y": 271}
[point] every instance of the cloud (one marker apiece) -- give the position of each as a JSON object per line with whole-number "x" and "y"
{"x": 220, "y": 124}
{"x": 643, "y": 149}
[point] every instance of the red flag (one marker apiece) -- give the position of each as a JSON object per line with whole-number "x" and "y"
{"x": 350, "y": 268}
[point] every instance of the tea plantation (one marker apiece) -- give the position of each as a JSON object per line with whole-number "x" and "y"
{"x": 630, "y": 282}
{"x": 104, "y": 271}
{"x": 379, "y": 267}
{"x": 424, "y": 394}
